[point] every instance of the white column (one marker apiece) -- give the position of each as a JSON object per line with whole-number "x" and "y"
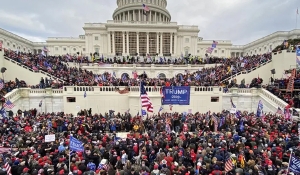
{"x": 113, "y": 44}
{"x": 109, "y": 44}
{"x": 139, "y": 15}
{"x": 157, "y": 42}
{"x": 155, "y": 18}
{"x": 137, "y": 43}
{"x": 147, "y": 33}
{"x": 127, "y": 36}
{"x": 133, "y": 15}
{"x": 123, "y": 52}
{"x": 175, "y": 43}
{"x": 128, "y": 16}
{"x": 124, "y": 17}
{"x": 161, "y": 43}
{"x": 150, "y": 17}
{"x": 171, "y": 41}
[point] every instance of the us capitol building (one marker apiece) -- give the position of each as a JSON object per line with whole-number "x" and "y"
{"x": 131, "y": 33}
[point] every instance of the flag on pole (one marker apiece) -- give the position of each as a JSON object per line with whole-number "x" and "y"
{"x": 160, "y": 109}
{"x": 7, "y": 168}
{"x": 233, "y": 106}
{"x": 3, "y": 112}
{"x": 1, "y": 84}
{"x": 84, "y": 95}
{"x": 146, "y": 8}
{"x": 45, "y": 49}
{"x": 279, "y": 111}
{"x": 294, "y": 164}
{"x": 8, "y": 104}
{"x": 260, "y": 108}
{"x": 146, "y": 102}
{"x": 40, "y": 104}
{"x": 228, "y": 164}
{"x": 215, "y": 120}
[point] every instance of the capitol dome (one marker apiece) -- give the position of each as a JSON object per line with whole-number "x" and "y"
{"x": 132, "y": 10}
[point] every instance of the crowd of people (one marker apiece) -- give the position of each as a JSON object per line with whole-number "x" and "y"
{"x": 74, "y": 76}
{"x": 8, "y": 86}
{"x": 163, "y": 144}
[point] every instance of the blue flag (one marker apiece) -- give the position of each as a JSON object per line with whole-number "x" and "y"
{"x": 76, "y": 145}
{"x": 3, "y": 112}
{"x": 144, "y": 112}
{"x": 84, "y": 95}
{"x": 294, "y": 164}
{"x": 260, "y": 108}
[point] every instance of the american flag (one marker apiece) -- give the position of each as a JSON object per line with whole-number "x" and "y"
{"x": 135, "y": 75}
{"x": 7, "y": 168}
{"x": 1, "y": 84}
{"x": 209, "y": 50}
{"x": 8, "y": 104}
{"x": 146, "y": 8}
{"x": 215, "y": 120}
{"x": 228, "y": 164}
{"x": 146, "y": 102}
{"x": 232, "y": 103}
{"x": 215, "y": 42}
{"x": 4, "y": 150}
{"x": 279, "y": 111}
{"x": 45, "y": 49}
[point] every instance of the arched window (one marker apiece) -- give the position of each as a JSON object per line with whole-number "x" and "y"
{"x": 162, "y": 76}
{"x": 125, "y": 76}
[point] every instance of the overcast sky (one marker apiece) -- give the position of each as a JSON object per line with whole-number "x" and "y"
{"x": 240, "y": 21}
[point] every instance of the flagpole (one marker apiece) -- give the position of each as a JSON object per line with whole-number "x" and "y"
{"x": 69, "y": 159}
{"x": 288, "y": 169}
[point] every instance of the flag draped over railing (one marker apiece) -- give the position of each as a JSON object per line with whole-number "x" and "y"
{"x": 290, "y": 86}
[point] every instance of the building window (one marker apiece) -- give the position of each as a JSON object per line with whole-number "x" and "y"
{"x": 74, "y": 49}
{"x": 216, "y": 51}
{"x": 187, "y": 40}
{"x": 214, "y": 99}
{"x": 223, "y": 51}
{"x": 96, "y": 38}
{"x": 71, "y": 99}
{"x": 65, "y": 49}
{"x": 83, "y": 49}
{"x": 56, "y": 48}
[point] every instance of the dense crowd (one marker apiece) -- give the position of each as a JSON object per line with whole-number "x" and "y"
{"x": 73, "y": 76}
{"x": 7, "y": 87}
{"x": 279, "y": 87}
{"x": 164, "y": 144}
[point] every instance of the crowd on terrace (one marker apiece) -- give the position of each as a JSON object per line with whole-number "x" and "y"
{"x": 73, "y": 76}
{"x": 6, "y": 87}
{"x": 279, "y": 87}
{"x": 162, "y": 144}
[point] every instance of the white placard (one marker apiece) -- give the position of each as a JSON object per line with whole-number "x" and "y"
{"x": 50, "y": 138}
{"x": 232, "y": 110}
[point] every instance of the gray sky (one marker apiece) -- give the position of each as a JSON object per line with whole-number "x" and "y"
{"x": 240, "y": 21}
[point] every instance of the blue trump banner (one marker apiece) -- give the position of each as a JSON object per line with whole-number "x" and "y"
{"x": 294, "y": 164}
{"x": 76, "y": 145}
{"x": 176, "y": 95}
